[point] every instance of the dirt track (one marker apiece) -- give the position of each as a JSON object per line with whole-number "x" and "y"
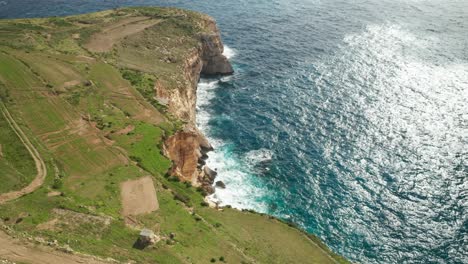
{"x": 15, "y": 250}
{"x": 40, "y": 165}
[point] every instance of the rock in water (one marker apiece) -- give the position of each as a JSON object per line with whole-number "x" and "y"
{"x": 220, "y": 184}
{"x": 211, "y": 174}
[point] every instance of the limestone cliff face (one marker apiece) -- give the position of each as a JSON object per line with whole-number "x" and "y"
{"x": 206, "y": 59}
{"x": 187, "y": 148}
{"x": 182, "y": 101}
{"x": 214, "y": 62}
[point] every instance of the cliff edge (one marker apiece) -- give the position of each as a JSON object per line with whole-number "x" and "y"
{"x": 187, "y": 148}
{"x": 108, "y": 101}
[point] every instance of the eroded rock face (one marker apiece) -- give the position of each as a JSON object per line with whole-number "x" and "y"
{"x": 207, "y": 59}
{"x": 187, "y": 149}
{"x": 181, "y": 101}
{"x": 183, "y": 149}
{"x": 214, "y": 62}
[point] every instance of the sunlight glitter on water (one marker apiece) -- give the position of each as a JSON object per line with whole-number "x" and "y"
{"x": 410, "y": 131}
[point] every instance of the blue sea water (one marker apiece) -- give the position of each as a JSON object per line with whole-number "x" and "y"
{"x": 349, "y": 118}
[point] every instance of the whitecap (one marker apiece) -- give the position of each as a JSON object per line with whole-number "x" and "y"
{"x": 257, "y": 156}
{"x": 229, "y": 52}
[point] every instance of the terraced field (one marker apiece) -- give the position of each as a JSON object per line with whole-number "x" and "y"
{"x": 62, "y": 80}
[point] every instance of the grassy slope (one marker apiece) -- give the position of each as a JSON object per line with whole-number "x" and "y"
{"x": 17, "y": 167}
{"x": 73, "y": 103}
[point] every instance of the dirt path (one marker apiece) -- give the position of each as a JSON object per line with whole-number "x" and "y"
{"x": 16, "y": 250}
{"x": 40, "y": 165}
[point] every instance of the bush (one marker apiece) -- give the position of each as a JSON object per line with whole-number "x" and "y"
{"x": 174, "y": 179}
{"x": 182, "y": 198}
{"x": 204, "y": 204}
{"x": 213, "y": 260}
{"x": 135, "y": 158}
{"x": 201, "y": 191}
{"x": 57, "y": 183}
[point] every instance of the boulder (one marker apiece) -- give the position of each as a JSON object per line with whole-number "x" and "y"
{"x": 220, "y": 184}
{"x": 210, "y": 174}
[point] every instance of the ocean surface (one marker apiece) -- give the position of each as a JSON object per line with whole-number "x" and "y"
{"x": 349, "y": 118}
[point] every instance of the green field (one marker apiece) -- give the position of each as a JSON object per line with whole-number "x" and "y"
{"x": 17, "y": 167}
{"x": 93, "y": 119}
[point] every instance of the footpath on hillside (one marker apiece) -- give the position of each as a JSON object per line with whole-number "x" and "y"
{"x": 40, "y": 165}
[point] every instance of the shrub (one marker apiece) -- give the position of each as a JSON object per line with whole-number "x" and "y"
{"x": 57, "y": 183}
{"x": 135, "y": 158}
{"x": 174, "y": 179}
{"x": 182, "y": 198}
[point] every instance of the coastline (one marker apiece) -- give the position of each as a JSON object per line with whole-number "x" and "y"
{"x": 132, "y": 127}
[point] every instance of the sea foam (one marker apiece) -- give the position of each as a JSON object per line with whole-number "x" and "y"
{"x": 243, "y": 190}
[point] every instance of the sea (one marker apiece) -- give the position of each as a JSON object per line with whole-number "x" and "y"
{"x": 348, "y": 118}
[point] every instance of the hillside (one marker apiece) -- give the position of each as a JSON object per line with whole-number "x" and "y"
{"x": 103, "y": 106}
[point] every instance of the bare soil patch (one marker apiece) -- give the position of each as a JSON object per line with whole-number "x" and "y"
{"x": 105, "y": 40}
{"x": 71, "y": 83}
{"x": 124, "y": 131}
{"x": 69, "y": 220}
{"x": 138, "y": 196}
{"x": 53, "y": 193}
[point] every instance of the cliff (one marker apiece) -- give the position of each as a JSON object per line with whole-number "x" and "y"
{"x": 101, "y": 97}
{"x": 188, "y": 147}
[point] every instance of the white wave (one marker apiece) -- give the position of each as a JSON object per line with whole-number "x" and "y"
{"x": 229, "y": 52}
{"x": 242, "y": 191}
{"x": 257, "y": 156}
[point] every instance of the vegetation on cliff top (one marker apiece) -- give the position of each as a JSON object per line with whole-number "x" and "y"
{"x": 81, "y": 89}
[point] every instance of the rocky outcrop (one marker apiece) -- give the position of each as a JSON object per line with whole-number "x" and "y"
{"x": 214, "y": 62}
{"x": 184, "y": 150}
{"x": 187, "y": 149}
{"x": 181, "y": 101}
{"x": 206, "y": 59}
